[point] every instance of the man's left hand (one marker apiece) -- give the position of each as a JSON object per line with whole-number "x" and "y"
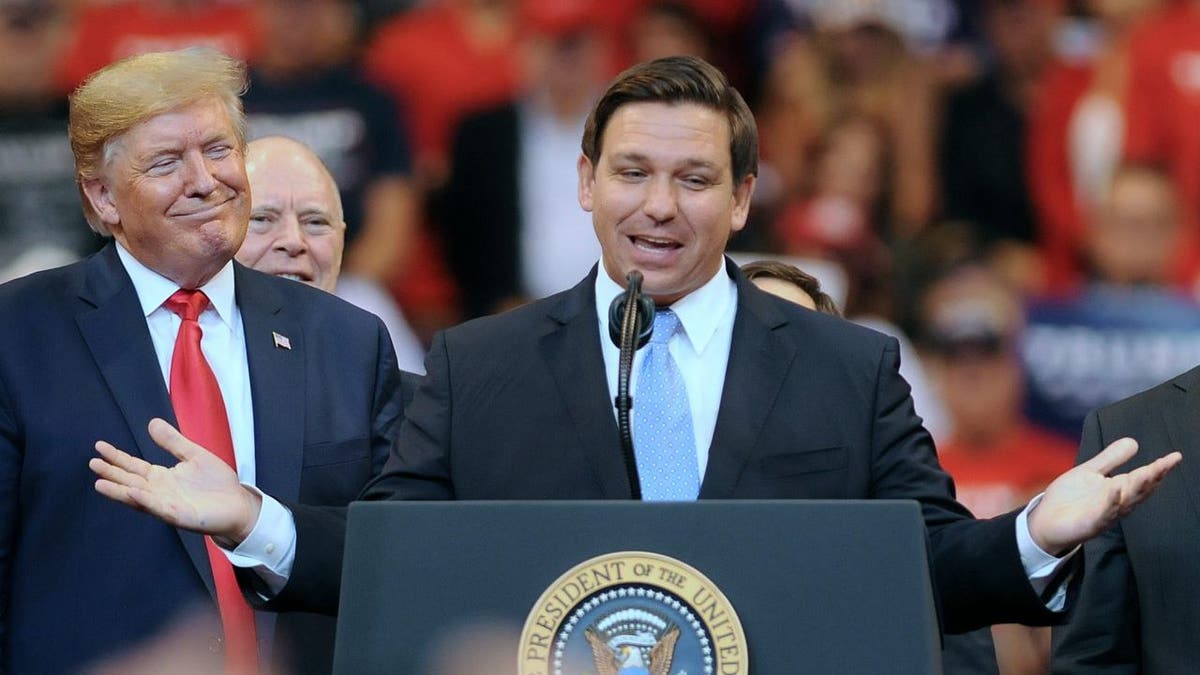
{"x": 1086, "y": 500}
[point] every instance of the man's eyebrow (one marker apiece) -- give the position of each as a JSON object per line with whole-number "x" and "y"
{"x": 315, "y": 211}
{"x": 157, "y": 149}
{"x": 629, "y": 157}
{"x": 695, "y": 162}
{"x": 175, "y": 146}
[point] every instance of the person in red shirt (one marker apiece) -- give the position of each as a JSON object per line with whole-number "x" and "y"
{"x": 971, "y": 322}
{"x": 442, "y": 61}
{"x": 1073, "y": 141}
{"x": 997, "y": 458}
{"x": 107, "y": 32}
{"x": 1163, "y": 113}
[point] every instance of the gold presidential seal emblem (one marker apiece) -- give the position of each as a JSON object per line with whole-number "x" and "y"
{"x": 633, "y": 613}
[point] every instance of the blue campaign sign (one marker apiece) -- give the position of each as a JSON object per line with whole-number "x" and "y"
{"x": 1102, "y": 346}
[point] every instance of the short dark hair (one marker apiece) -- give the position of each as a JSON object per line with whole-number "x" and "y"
{"x": 679, "y": 79}
{"x": 773, "y": 269}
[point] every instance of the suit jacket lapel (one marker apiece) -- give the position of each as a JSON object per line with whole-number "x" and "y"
{"x": 115, "y": 331}
{"x": 759, "y": 359}
{"x": 1180, "y": 416}
{"x": 277, "y": 384}
{"x": 573, "y": 355}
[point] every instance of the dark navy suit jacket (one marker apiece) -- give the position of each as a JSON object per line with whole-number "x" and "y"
{"x": 81, "y": 576}
{"x": 1139, "y": 605}
{"x": 517, "y": 406}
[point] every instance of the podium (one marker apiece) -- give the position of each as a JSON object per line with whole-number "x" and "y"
{"x": 818, "y": 586}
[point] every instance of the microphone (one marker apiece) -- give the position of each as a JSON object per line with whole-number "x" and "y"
{"x": 630, "y": 323}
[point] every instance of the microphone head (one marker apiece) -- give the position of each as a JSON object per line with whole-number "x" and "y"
{"x": 644, "y": 306}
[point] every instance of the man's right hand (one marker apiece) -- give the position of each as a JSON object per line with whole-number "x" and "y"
{"x": 201, "y": 493}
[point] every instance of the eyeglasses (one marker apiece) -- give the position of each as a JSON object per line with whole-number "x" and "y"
{"x": 975, "y": 346}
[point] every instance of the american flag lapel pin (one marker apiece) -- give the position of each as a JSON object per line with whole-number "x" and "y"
{"x": 281, "y": 341}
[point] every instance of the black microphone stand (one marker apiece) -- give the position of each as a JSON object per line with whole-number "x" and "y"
{"x": 630, "y": 323}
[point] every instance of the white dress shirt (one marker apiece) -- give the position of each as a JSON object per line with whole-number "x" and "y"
{"x": 223, "y": 344}
{"x": 700, "y": 349}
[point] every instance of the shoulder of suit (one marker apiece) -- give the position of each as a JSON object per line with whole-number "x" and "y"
{"x": 1152, "y": 398}
{"x": 518, "y": 326}
{"x": 811, "y": 324}
{"x": 303, "y": 300}
{"x": 58, "y": 281}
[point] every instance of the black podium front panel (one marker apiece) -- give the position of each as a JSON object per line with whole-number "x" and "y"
{"x": 819, "y": 586}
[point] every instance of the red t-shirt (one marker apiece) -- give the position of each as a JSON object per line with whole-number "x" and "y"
{"x": 425, "y": 59}
{"x": 1061, "y": 228}
{"x": 1162, "y": 110}
{"x": 108, "y": 32}
{"x": 1005, "y": 475}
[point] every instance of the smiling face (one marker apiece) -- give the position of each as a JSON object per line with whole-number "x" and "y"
{"x": 174, "y": 192}
{"x": 296, "y": 227}
{"x": 662, "y": 196}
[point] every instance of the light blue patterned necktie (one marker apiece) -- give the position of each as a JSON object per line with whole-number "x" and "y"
{"x": 662, "y": 431}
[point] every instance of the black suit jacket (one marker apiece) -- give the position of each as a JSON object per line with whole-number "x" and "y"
{"x": 480, "y": 209}
{"x": 517, "y": 406}
{"x": 1139, "y": 605}
{"x": 83, "y": 577}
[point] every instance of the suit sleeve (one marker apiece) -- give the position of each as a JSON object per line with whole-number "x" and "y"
{"x": 976, "y": 566}
{"x": 388, "y": 401}
{"x": 10, "y": 479}
{"x": 419, "y": 464}
{"x": 1103, "y": 634}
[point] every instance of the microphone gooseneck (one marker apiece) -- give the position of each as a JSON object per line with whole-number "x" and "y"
{"x": 630, "y": 323}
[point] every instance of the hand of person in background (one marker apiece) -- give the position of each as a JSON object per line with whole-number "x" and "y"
{"x": 201, "y": 493}
{"x": 1086, "y": 500}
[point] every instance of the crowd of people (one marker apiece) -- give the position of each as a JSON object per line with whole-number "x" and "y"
{"x": 1010, "y": 188}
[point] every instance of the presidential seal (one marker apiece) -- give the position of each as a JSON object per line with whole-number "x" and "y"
{"x": 633, "y": 613}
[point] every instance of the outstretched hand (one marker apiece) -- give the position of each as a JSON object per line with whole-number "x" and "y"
{"x": 1086, "y": 500}
{"x": 200, "y": 493}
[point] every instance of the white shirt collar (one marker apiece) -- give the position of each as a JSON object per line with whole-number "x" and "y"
{"x": 700, "y": 312}
{"x": 153, "y": 289}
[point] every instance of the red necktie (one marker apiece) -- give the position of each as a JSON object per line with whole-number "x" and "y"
{"x": 200, "y": 411}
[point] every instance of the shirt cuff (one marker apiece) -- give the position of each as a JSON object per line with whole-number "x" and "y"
{"x": 270, "y": 550}
{"x": 1041, "y": 567}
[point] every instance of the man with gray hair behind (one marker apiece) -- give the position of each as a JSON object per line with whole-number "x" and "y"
{"x": 295, "y": 390}
{"x": 298, "y": 230}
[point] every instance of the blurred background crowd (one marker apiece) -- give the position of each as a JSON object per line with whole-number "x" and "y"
{"x": 1012, "y": 187}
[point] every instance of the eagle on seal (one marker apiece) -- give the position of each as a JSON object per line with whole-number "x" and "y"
{"x": 627, "y": 659}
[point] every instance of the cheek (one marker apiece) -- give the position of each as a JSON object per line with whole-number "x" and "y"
{"x": 233, "y": 173}
{"x": 325, "y": 251}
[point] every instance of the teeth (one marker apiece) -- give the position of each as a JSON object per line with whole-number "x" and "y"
{"x": 655, "y": 243}
{"x": 293, "y": 277}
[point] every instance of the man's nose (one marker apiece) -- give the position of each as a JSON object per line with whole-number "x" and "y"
{"x": 200, "y": 175}
{"x": 291, "y": 236}
{"x": 660, "y": 203}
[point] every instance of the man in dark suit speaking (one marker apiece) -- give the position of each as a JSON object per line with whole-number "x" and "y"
{"x": 739, "y": 395}
{"x": 298, "y": 389}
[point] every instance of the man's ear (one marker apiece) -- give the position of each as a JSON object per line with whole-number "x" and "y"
{"x": 742, "y": 195}
{"x": 101, "y": 200}
{"x": 587, "y": 178}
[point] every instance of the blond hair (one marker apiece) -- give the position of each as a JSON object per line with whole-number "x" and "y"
{"x": 124, "y": 94}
